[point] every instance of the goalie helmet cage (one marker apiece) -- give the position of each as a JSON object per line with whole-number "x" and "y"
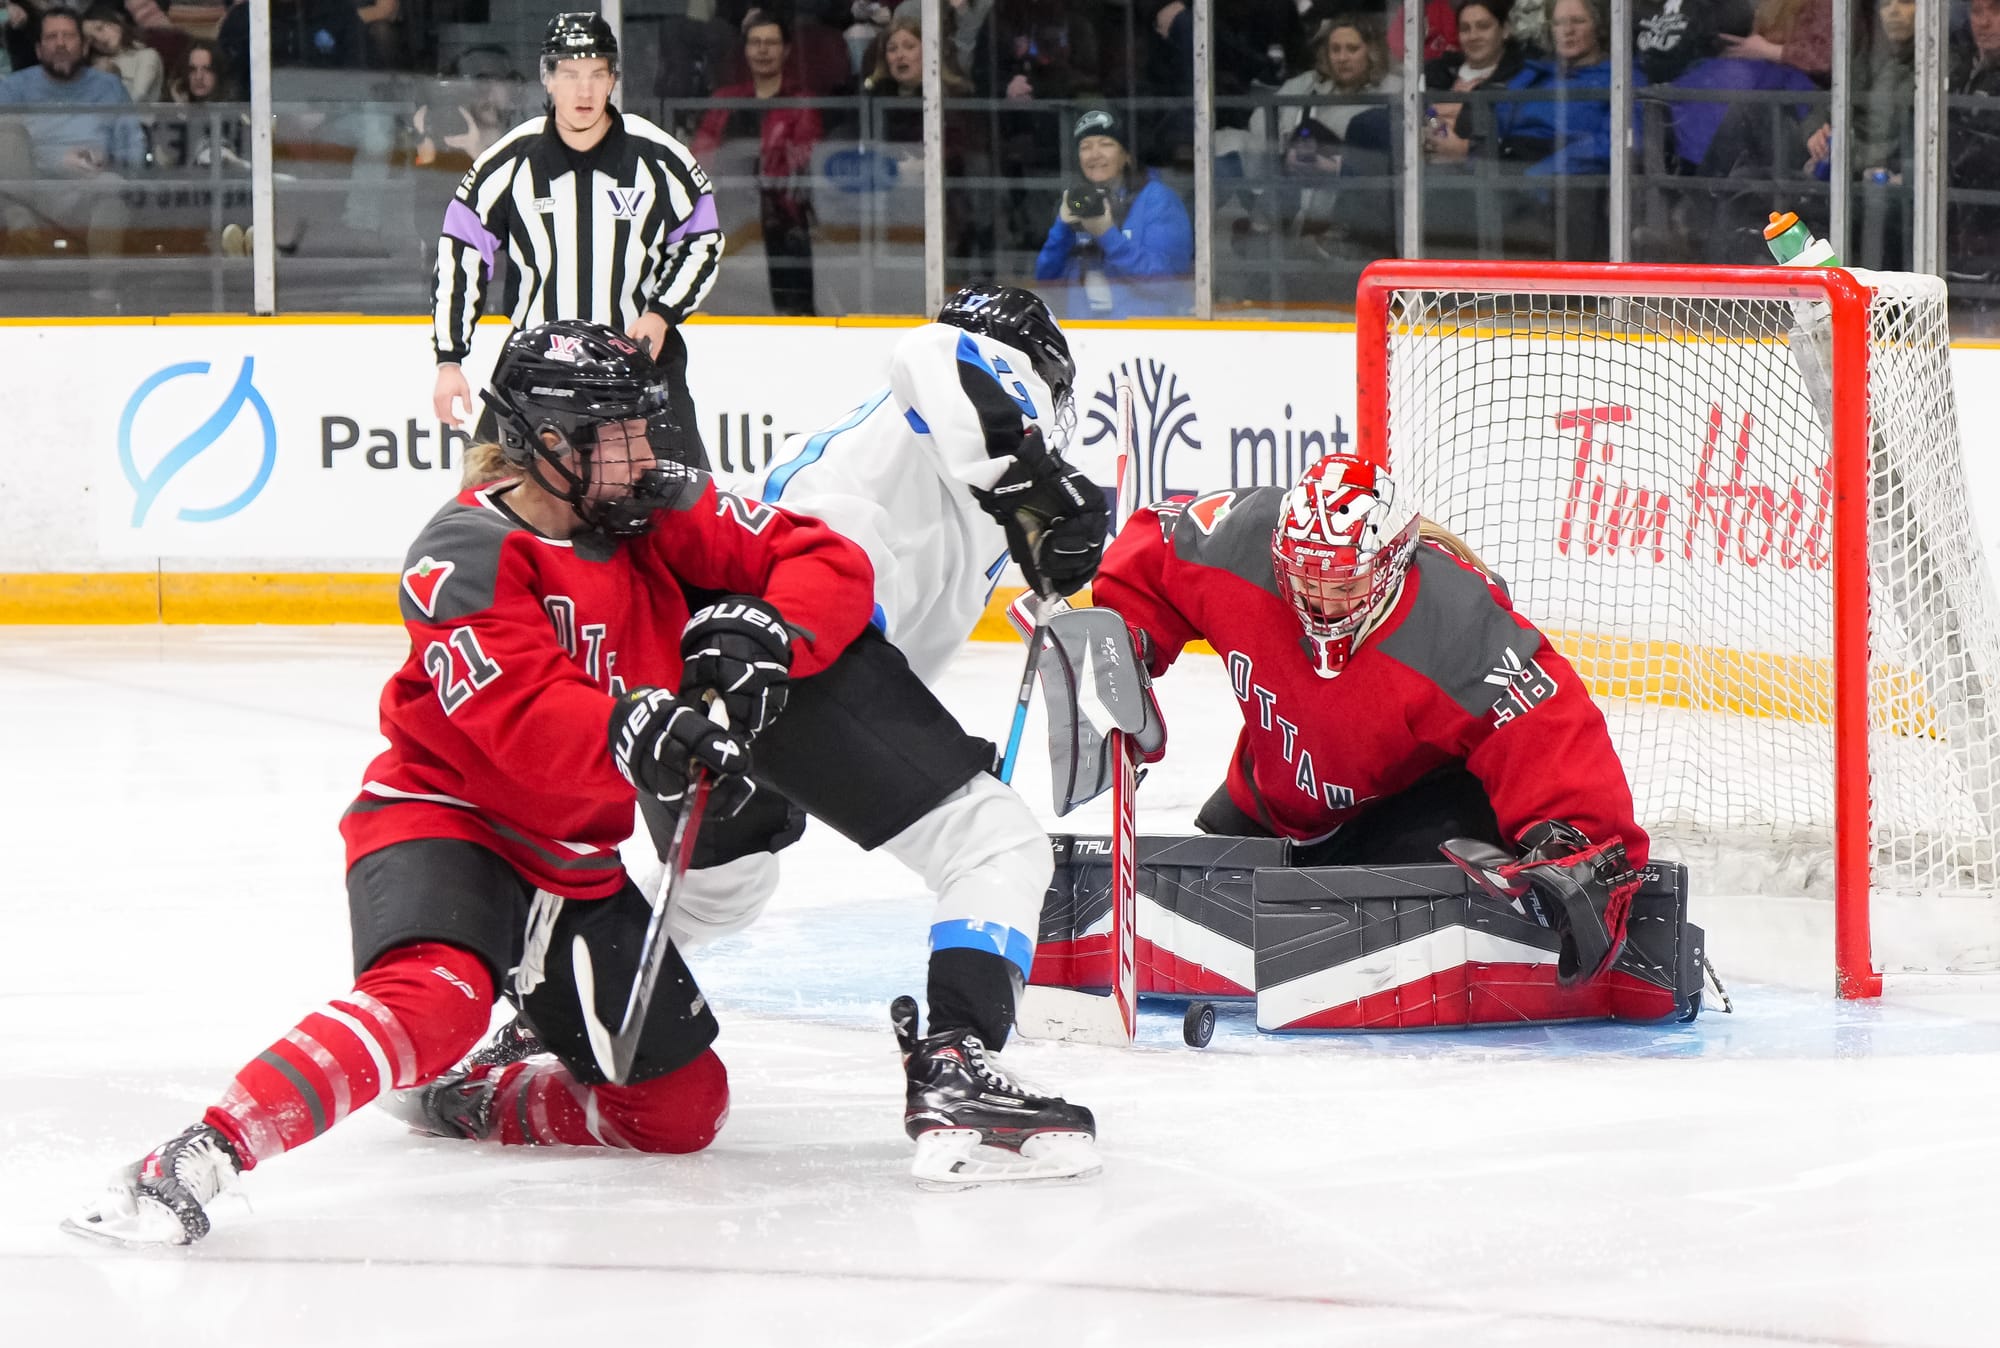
{"x": 1733, "y": 497}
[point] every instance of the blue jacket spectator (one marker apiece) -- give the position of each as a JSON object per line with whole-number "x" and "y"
{"x": 1122, "y": 238}
{"x": 71, "y": 145}
{"x": 1563, "y": 134}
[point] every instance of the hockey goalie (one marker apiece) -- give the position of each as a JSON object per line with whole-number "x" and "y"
{"x": 1424, "y": 821}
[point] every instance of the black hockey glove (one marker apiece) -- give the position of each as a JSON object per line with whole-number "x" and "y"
{"x": 1055, "y": 518}
{"x": 1580, "y": 891}
{"x": 739, "y": 649}
{"x": 657, "y": 740}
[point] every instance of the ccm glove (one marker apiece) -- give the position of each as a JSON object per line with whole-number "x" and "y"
{"x": 1583, "y": 892}
{"x": 1055, "y": 518}
{"x": 739, "y": 649}
{"x": 657, "y": 740}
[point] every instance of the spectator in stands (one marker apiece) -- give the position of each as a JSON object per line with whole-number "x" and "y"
{"x": 1885, "y": 93}
{"x": 200, "y": 78}
{"x": 1350, "y": 57}
{"x": 193, "y": 141}
{"x": 77, "y": 152}
{"x": 1487, "y": 54}
{"x": 894, "y": 92}
{"x": 1122, "y": 238}
{"x": 1563, "y": 134}
{"x": 1796, "y": 33}
{"x": 80, "y": 145}
{"x": 115, "y": 48}
{"x": 1972, "y": 231}
{"x": 785, "y": 139}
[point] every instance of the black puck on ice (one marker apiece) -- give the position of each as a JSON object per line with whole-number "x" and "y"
{"x": 1198, "y": 1025}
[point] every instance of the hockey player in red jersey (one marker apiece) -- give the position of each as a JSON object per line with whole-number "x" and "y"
{"x": 548, "y": 628}
{"x": 1392, "y": 698}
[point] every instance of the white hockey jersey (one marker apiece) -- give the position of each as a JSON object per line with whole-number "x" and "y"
{"x": 896, "y": 476}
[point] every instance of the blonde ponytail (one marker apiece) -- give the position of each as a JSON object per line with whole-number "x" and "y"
{"x": 485, "y": 463}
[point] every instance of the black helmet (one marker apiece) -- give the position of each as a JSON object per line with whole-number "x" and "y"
{"x": 566, "y": 379}
{"x": 578, "y": 35}
{"x": 1020, "y": 319}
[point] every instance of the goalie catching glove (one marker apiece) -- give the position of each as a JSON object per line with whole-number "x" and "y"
{"x": 657, "y": 740}
{"x": 1055, "y": 518}
{"x": 1583, "y": 892}
{"x": 739, "y": 649}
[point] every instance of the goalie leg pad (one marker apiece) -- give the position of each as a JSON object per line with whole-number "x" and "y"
{"x": 1413, "y": 947}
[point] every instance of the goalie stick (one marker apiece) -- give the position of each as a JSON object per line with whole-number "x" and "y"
{"x": 1062, "y": 1013}
{"x": 615, "y": 1051}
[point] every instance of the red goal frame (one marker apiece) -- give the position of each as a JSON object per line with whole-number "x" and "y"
{"x": 1855, "y": 974}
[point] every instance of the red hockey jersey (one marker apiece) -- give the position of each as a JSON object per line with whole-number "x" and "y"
{"x": 1453, "y": 674}
{"x": 498, "y": 722}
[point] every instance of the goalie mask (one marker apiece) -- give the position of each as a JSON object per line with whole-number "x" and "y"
{"x": 579, "y": 409}
{"x": 1021, "y": 320}
{"x": 1341, "y": 550}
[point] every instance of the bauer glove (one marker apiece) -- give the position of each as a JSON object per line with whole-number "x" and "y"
{"x": 739, "y": 649}
{"x": 657, "y": 741}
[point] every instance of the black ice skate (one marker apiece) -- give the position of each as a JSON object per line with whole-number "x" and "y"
{"x": 975, "y": 1123}
{"x": 460, "y": 1102}
{"x": 163, "y": 1199}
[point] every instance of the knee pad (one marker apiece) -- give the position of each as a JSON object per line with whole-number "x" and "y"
{"x": 441, "y": 997}
{"x": 677, "y": 1113}
{"x": 719, "y": 901}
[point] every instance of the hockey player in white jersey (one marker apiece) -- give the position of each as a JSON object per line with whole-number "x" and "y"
{"x": 954, "y": 466}
{"x": 940, "y": 477}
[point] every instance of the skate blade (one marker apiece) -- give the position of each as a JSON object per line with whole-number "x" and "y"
{"x": 954, "y": 1158}
{"x": 407, "y": 1108}
{"x": 119, "y": 1216}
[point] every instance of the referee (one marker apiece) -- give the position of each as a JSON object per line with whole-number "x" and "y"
{"x": 605, "y": 217}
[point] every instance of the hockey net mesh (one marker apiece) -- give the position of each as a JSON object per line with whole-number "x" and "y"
{"x": 1651, "y": 476}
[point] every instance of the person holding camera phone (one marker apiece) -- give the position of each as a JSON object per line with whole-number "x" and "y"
{"x": 1121, "y": 238}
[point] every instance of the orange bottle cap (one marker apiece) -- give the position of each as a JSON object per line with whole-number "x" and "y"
{"x": 1780, "y": 223}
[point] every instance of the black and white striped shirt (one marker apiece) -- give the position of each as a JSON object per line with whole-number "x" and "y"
{"x": 626, "y": 227}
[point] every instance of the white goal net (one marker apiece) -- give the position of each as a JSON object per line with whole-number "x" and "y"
{"x": 1648, "y": 465}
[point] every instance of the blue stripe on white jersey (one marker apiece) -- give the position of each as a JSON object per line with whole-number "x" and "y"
{"x": 774, "y": 486}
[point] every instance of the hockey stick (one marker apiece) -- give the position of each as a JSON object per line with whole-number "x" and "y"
{"x": 1027, "y": 692}
{"x": 615, "y": 1052}
{"x": 1064, "y": 1013}
{"x": 1125, "y": 785}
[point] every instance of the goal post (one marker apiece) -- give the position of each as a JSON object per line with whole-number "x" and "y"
{"x": 1734, "y": 498}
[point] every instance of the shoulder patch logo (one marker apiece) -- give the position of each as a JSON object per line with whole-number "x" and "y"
{"x": 1527, "y": 685}
{"x": 422, "y": 582}
{"x": 1209, "y": 510}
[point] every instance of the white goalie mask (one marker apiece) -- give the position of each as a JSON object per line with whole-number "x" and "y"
{"x": 1341, "y": 550}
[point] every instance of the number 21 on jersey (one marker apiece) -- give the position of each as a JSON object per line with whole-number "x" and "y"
{"x": 442, "y": 660}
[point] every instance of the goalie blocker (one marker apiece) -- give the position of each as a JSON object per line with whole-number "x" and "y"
{"x": 1353, "y": 947}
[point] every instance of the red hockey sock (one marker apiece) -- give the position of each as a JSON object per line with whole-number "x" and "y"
{"x": 413, "y": 1013}
{"x": 538, "y": 1102}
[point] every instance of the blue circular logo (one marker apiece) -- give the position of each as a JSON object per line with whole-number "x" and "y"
{"x": 148, "y": 486}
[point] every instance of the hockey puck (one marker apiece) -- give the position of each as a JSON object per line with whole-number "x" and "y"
{"x": 1198, "y": 1025}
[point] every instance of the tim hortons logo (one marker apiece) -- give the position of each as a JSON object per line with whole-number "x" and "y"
{"x": 1751, "y": 522}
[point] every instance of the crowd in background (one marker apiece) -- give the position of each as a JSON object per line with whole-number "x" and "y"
{"x": 1730, "y": 119}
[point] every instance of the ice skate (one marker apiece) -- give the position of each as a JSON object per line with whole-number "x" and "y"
{"x": 976, "y": 1123}
{"x": 460, "y": 1102}
{"x": 163, "y": 1199}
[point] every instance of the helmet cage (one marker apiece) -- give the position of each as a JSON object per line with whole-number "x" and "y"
{"x": 1340, "y": 553}
{"x": 535, "y": 400}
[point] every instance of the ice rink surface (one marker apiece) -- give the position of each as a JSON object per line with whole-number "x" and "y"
{"x": 1802, "y": 1172}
